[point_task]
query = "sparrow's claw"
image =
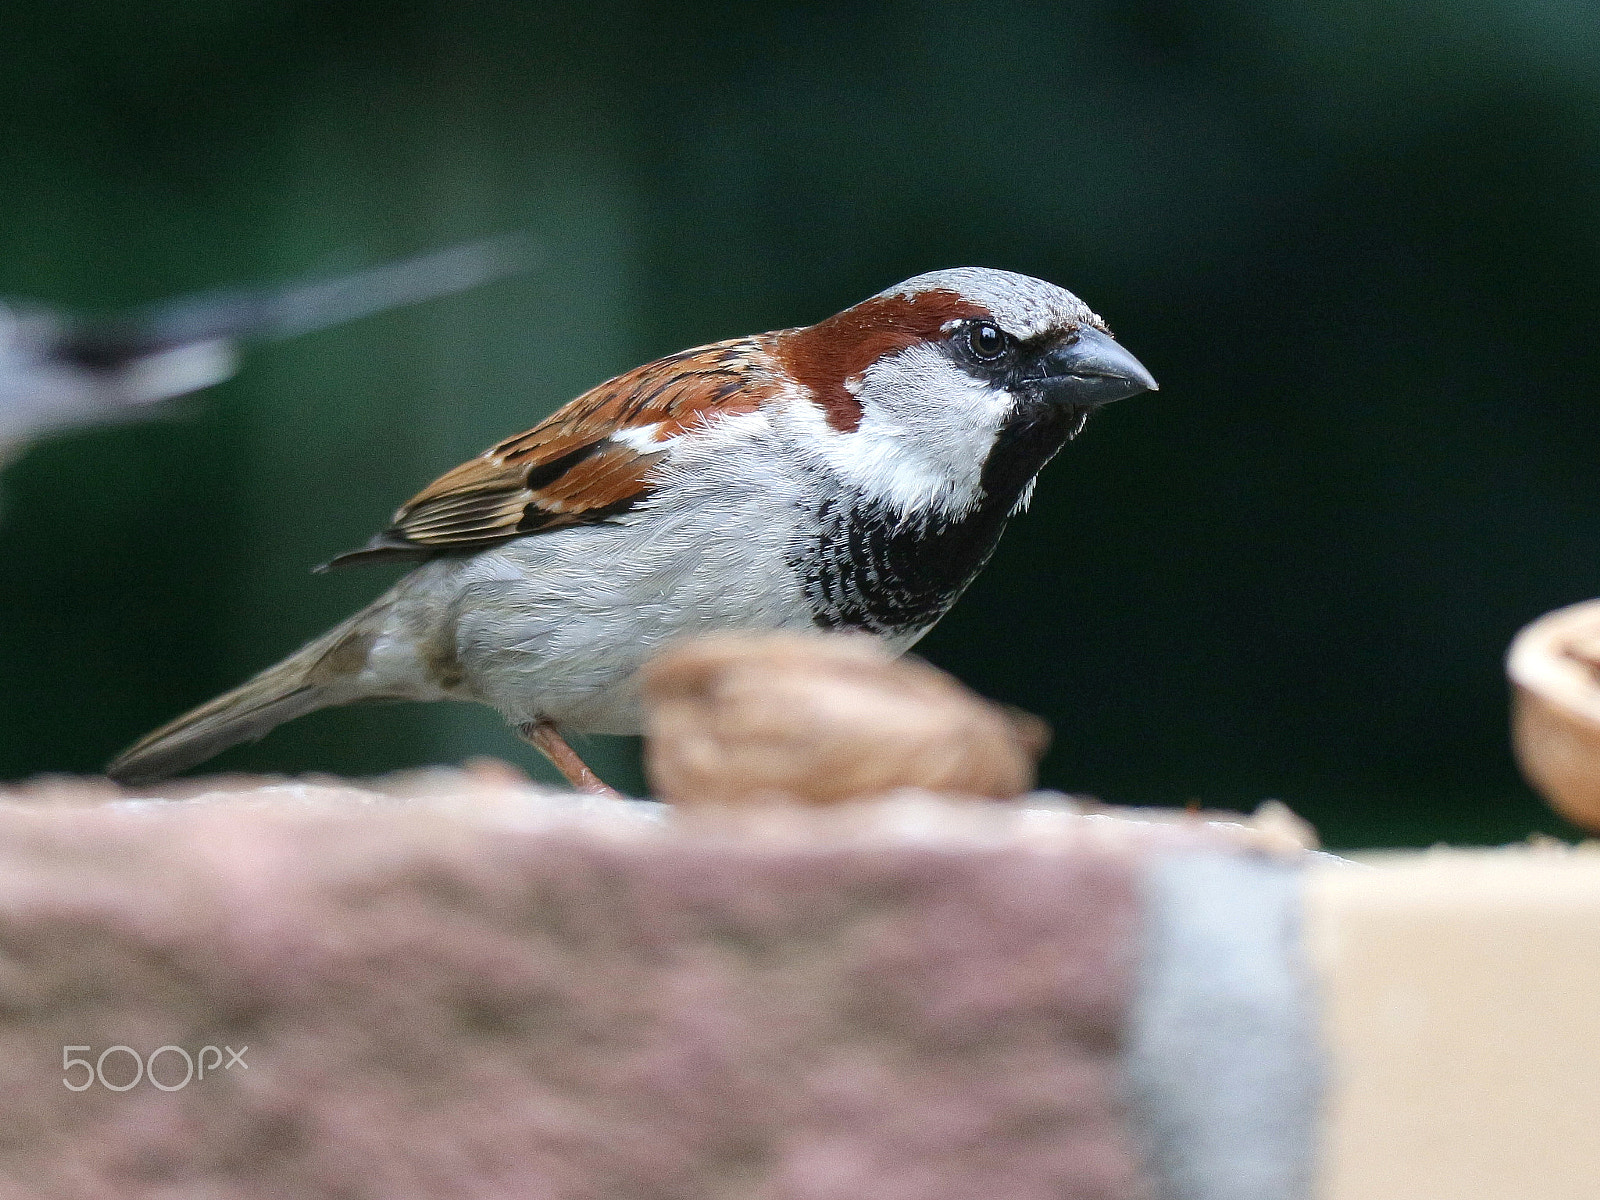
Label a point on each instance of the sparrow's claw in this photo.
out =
(543, 736)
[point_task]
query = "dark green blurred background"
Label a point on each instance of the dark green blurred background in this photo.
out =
(1358, 243)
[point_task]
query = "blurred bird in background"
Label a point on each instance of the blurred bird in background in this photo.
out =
(59, 372)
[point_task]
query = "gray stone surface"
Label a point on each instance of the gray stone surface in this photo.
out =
(1223, 1064)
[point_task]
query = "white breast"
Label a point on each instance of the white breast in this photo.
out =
(554, 625)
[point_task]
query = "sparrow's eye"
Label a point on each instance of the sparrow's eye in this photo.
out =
(986, 341)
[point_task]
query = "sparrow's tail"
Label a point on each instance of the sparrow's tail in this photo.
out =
(318, 675)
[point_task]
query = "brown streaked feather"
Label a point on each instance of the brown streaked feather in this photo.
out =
(565, 471)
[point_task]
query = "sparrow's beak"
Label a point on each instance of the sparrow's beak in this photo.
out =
(1091, 369)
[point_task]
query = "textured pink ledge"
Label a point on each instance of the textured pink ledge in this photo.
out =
(480, 990)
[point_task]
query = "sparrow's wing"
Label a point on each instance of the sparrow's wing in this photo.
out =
(588, 462)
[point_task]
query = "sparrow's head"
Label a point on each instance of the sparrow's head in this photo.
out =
(952, 388)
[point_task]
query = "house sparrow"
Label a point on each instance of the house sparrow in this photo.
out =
(853, 474)
(58, 372)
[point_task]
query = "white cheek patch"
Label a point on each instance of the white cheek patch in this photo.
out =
(926, 430)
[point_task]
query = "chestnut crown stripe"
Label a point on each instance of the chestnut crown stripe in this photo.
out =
(827, 356)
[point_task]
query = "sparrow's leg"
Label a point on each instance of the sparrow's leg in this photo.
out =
(553, 746)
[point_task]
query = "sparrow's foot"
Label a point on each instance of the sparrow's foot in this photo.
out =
(542, 734)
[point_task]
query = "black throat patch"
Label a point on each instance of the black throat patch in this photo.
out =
(868, 569)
